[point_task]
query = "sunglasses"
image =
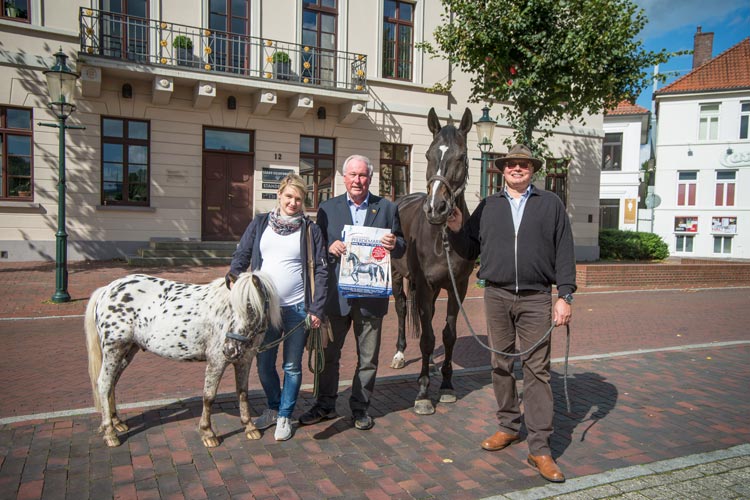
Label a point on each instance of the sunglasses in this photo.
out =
(517, 163)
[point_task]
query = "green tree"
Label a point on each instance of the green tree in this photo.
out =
(549, 60)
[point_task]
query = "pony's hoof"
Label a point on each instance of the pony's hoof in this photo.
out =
(448, 396)
(423, 407)
(111, 441)
(253, 434)
(210, 442)
(398, 361)
(120, 426)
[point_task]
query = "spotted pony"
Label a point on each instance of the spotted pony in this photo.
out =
(178, 321)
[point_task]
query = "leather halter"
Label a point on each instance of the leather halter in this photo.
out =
(453, 194)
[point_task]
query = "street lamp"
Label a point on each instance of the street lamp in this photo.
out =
(485, 130)
(61, 84)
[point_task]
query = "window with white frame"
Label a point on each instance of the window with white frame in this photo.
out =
(708, 129)
(684, 243)
(687, 183)
(744, 120)
(725, 183)
(723, 244)
(612, 152)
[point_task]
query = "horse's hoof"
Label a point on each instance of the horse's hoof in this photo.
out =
(448, 396)
(253, 434)
(398, 361)
(423, 407)
(210, 442)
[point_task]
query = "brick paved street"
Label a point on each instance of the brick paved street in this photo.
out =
(685, 392)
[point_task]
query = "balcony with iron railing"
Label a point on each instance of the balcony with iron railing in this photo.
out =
(204, 51)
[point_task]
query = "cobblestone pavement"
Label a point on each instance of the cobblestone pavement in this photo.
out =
(657, 381)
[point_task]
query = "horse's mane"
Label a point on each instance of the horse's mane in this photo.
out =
(244, 293)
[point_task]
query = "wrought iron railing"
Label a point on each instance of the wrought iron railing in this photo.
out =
(160, 43)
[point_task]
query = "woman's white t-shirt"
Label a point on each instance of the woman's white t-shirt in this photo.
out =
(283, 263)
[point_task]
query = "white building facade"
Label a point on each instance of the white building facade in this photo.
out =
(625, 130)
(193, 110)
(703, 159)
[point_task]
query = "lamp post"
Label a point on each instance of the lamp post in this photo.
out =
(485, 130)
(61, 83)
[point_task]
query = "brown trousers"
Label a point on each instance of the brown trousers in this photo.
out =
(524, 317)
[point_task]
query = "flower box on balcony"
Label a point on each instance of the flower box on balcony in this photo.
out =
(282, 65)
(183, 51)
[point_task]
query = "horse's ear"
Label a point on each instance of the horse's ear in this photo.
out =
(433, 122)
(466, 122)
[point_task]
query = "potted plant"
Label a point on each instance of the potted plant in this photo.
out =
(281, 65)
(10, 8)
(183, 50)
(24, 190)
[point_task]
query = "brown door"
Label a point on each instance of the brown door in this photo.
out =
(227, 195)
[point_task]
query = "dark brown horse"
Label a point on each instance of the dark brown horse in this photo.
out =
(424, 265)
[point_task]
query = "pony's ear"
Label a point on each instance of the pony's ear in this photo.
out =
(466, 122)
(433, 122)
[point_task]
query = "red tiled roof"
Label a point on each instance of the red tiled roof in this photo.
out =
(728, 70)
(626, 108)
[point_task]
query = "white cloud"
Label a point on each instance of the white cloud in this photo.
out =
(667, 15)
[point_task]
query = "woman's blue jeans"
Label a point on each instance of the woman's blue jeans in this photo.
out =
(284, 398)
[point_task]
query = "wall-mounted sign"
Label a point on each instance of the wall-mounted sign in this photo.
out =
(630, 209)
(275, 174)
(724, 225)
(270, 185)
(268, 196)
(686, 224)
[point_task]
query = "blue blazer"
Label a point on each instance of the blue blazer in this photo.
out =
(333, 215)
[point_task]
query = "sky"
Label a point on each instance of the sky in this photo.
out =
(672, 24)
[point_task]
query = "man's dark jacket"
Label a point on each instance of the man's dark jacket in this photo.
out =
(541, 255)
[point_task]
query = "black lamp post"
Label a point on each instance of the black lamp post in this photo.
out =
(485, 130)
(61, 83)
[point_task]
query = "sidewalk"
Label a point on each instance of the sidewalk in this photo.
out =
(659, 410)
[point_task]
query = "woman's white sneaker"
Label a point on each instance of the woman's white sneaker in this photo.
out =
(283, 429)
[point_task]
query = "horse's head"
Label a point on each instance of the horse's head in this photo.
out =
(255, 303)
(447, 166)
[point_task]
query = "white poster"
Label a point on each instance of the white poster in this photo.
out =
(365, 269)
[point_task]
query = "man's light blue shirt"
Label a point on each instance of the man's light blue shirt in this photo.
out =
(517, 205)
(359, 212)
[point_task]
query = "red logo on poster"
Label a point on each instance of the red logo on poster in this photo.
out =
(378, 253)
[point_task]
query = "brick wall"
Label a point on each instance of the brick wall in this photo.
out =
(679, 275)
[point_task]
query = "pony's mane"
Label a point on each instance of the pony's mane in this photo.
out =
(244, 293)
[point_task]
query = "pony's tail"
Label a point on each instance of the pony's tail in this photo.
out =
(382, 273)
(93, 347)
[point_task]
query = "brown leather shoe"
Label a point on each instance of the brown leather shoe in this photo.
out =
(499, 440)
(547, 467)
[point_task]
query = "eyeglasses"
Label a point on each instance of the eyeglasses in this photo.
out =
(519, 163)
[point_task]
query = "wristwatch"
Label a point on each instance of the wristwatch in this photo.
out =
(568, 298)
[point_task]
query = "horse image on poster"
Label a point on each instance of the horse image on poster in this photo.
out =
(423, 218)
(178, 321)
(371, 269)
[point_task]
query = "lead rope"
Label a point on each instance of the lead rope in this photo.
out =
(446, 246)
(315, 356)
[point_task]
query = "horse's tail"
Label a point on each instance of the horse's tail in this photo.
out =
(382, 273)
(93, 347)
(412, 310)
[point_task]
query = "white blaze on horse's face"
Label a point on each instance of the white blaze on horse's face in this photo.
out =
(443, 149)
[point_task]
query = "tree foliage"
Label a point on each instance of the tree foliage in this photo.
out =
(549, 59)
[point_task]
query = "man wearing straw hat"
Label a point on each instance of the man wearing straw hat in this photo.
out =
(525, 240)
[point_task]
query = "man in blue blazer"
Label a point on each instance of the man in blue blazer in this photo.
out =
(356, 207)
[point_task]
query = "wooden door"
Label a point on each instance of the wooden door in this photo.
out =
(227, 195)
